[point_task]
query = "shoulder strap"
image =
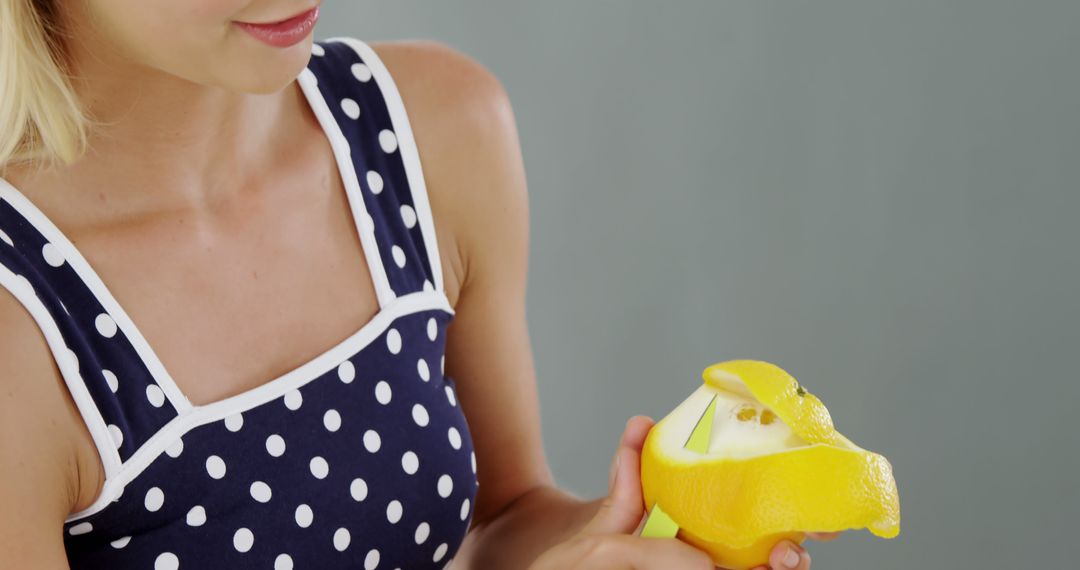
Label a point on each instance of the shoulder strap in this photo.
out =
(114, 392)
(367, 105)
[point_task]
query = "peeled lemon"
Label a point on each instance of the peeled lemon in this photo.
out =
(751, 458)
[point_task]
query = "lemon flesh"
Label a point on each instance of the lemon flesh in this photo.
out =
(751, 458)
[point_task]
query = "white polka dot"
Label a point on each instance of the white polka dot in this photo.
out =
(387, 140)
(196, 516)
(455, 438)
(6, 238)
(293, 400)
(408, 215)
(372, 441)
(243, 540)
(304, 516)
(442, 364)
(234, 422)
(346, 371)
(382, 392)
(319, 467)
(351, 108)
(358, 489)
(81, 528)
(155, 395)
(332, 420)
(374, 181)
(155, 497)
(440, 552)
(260, 491)
(111, 380)
(317, 49)
(450, 397)
(420, 415)
(428, 286)
(52, 255)
(371, 561)
(399, 255)
(215, 466)
(105, 324)
(117, 435)
(275, 445)
(394, 511)
(283, 562)
(432, 328)
(166, 561)
(465, 505)
(446, 486)
(361, 72)
(422, 532)
(341, 539)
(175, 449)
(473, 459)
(120, 542)
(410, 462)
(422, 370)
(393, 341)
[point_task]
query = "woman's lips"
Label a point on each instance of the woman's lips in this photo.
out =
(286, 32)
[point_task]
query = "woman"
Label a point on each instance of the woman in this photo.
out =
(227, 337)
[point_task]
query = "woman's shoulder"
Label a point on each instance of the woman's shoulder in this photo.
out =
(467, 139)
(43, 444)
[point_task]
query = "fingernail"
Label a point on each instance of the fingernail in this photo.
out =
(791, 559)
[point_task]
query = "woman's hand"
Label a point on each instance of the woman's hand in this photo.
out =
(609, 541)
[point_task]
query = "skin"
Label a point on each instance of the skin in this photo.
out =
(211, 170)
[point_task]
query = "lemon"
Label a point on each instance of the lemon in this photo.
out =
(751, 458)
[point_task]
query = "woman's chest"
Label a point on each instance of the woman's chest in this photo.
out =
(231, 304)
(372, 455)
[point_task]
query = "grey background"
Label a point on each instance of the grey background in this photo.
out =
(879, 196)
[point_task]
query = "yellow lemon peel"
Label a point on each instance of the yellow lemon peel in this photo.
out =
(751, 458)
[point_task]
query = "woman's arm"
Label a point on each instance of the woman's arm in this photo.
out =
(471, 157)
(38, 473)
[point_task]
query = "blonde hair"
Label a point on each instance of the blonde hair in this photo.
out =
(41, 118)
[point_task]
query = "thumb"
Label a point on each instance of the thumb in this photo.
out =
(623, 508)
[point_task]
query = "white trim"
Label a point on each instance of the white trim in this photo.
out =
(298, 377)
(93, 281)
(23, 290)
(410, 155)
(343, 157)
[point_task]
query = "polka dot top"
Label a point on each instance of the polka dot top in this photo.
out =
(358, 458)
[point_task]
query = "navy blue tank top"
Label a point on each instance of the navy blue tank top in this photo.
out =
(359, 458)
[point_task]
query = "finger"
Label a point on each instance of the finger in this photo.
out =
(633, 436)
(787, 555)
(640, 524)
(823, 536)
(637, 428)
(621, 511)
(645, 553)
